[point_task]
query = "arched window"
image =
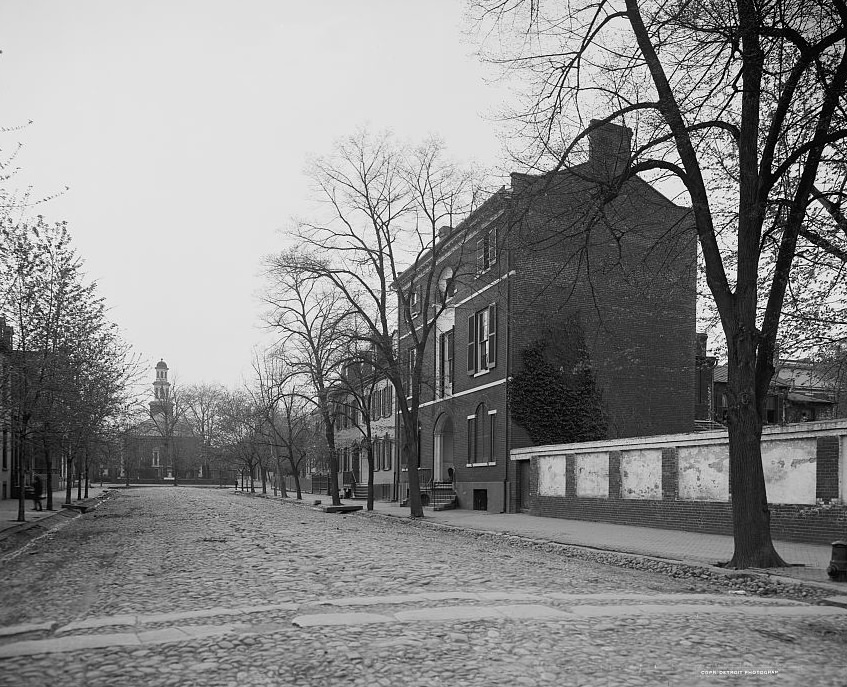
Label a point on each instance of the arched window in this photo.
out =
(479, 436)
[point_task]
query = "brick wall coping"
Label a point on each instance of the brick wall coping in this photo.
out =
(797, 430)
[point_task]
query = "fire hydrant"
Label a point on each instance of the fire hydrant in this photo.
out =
(837, 569)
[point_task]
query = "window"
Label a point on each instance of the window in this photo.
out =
(446, 284)
(770, 409)
(411, 359)
(482, 340)
(482, 426)
(414, 302)
(492, 436)
(388, 453)
(156, 458)
(445, 363)
(376, 454)
(389, 401)
(486, 250)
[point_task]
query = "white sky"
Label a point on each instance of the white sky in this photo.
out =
(182, 129)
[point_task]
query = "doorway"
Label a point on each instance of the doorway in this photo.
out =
(442, 459)
(523, 486)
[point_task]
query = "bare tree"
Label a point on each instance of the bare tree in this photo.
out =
(202, 413)
(740, 104)
(70, 370)
(311, 322)
(377, 246)
(283, 401)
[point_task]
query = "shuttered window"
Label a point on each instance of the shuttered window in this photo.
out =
(482, 340)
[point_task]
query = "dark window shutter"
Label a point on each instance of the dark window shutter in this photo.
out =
(471, 344)
(492, 335)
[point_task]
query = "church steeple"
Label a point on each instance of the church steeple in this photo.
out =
(161, 390)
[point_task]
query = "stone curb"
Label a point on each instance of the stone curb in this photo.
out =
(750, 573)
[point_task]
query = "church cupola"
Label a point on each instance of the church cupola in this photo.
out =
(161, 389)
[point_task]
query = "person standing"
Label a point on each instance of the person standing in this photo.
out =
(37, 489)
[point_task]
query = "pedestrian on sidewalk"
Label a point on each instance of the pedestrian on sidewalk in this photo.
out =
(37, 490)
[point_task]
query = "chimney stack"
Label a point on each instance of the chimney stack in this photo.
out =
(609, 148)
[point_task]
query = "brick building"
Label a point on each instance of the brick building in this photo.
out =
(351, 430)
(546, 262)
(800, 391)
(162, 447)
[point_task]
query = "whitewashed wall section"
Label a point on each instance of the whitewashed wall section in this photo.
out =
(592, 475)
(790, 470)
(704, 472)
(641, 474)
(789, 460)
(552, 475)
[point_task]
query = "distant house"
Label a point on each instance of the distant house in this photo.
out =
(365, 390)
(800, 391)
(602, 288)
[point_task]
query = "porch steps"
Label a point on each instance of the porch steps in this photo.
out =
(438, 496)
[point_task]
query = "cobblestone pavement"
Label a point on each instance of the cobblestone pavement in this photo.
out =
(180, 586)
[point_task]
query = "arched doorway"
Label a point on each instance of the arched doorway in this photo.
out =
(442, 463)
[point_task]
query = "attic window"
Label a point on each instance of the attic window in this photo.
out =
(486, 250)
(446, 284)
(414, 302)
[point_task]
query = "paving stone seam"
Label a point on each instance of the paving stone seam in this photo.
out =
(130, 619)
(515, 612)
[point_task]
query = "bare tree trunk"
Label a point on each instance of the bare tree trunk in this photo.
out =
(370, 475)
(48, 463)
(411, 450)
(333, 466)
(748, 493)
(69, 477)
(21, 488)
(85, 470)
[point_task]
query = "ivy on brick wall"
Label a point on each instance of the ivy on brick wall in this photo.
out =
(555, 396)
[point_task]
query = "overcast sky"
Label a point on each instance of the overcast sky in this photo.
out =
(182, 130)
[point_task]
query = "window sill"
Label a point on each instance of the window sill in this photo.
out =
(482, 372)
(480, 465)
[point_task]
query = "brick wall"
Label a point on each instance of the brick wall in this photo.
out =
(820, 522)
(632, 295)
(812, 524)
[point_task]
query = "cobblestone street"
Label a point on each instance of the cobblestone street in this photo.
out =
(185, 586)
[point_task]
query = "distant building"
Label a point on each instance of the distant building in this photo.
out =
(163, 446)
(377, 394)
(800, 391)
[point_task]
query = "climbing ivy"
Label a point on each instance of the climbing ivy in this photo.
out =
(555, 396)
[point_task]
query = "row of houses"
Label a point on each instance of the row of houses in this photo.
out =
(21, 458)
(545, 276)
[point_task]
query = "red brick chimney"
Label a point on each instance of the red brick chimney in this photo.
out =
(609, 148)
